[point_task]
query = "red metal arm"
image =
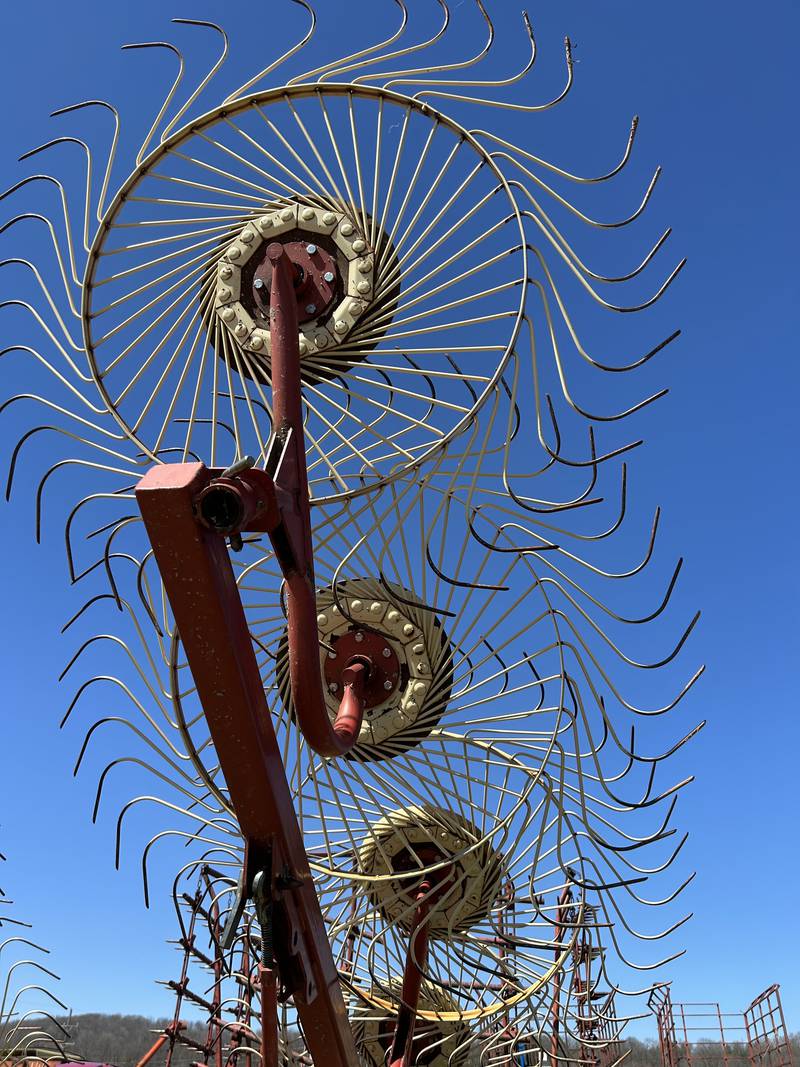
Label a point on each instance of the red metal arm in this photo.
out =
(291, 484)
(199, 581)
(400, 1053)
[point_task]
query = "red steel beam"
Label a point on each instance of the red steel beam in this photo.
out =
(201, 587)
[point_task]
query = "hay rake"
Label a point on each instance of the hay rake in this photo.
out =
(316, 360)
(28, 1030)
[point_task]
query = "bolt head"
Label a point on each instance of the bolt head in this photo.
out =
(258, 283)
(359, 636)
(347, 228)
(340, 326)
(364, 266)
(287, 214)
(264, 222)
(375, 607)
(228, 314)
(247, 236)
(363, 287)
(331, 654)
(333, 687)
(356, 605)
(322, 619)
(386, 652)
(387, 685)
(329, 218)
(226, 271)
(419, 649)
(359, 245)
(321, 341)
(408, 629)
(311, 249)
(234, 252)
(256, 342)
(422, 668)
(307, 213)
(329, 276)
(302, 347)
(241, 330)
(310, 309)
(224, 293)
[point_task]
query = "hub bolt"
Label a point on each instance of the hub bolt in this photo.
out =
(328, 275)
(387, 685)
(333, 687)
(311, 249)
(310, 309)
(359, 636)
(259, 283)
(386, 652)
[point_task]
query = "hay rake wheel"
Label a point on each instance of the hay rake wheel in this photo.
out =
(321, 309)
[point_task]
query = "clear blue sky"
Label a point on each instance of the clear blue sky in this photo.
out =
(715, 85)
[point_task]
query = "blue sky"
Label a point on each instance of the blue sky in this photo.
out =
(715, 87)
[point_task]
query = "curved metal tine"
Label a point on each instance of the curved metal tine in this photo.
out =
(461, 65)
(112, 150)
(207, 78)
(318, 73)
(64, 433)
(140, 155)
(595, 296)
(45, 291)
(189, 839)
(59, 465)
(65, 210)
(597, 223)
(580, 179)
(57, 250)
(88, 193)
(545, 223)
(409, 50)
(557, 455)
(237, 93)
(510, 105)
(510, 79)
(40, 321)
(125, 493)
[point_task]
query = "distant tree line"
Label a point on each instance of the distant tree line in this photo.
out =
(124, 1039)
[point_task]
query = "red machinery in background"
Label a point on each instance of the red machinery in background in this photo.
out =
(692, 1033)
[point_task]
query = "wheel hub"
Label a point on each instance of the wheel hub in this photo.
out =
(334, 277)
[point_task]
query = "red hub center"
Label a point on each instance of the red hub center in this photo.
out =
(315, 283)
(373, 648)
